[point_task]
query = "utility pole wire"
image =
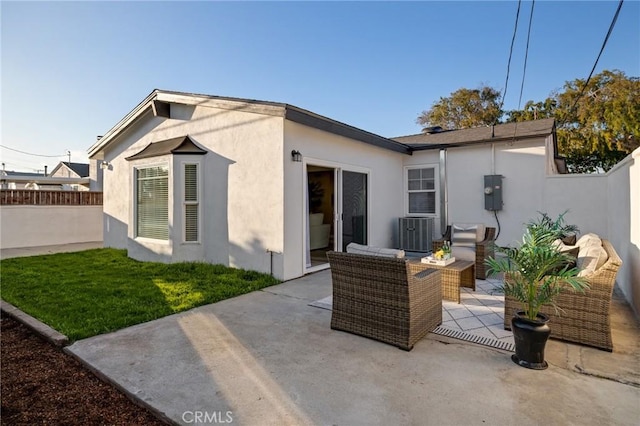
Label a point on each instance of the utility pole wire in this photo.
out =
(604, 43)
(513, 39)
(524, 68)
(28, 153)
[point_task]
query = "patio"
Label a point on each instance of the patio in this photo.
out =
(269, 358)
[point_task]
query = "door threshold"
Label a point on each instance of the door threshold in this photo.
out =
(316, 268)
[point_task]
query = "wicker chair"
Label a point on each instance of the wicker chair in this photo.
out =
(585, 317)
(387, 299)
(484, 249)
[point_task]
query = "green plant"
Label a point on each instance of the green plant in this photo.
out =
(537, 271)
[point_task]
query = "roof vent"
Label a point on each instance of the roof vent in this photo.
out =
(432, 130)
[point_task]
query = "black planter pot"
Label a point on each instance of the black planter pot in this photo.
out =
(530, 339)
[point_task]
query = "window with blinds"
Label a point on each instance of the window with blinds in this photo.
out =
(152, 202)
(421, 187)
(191, 203)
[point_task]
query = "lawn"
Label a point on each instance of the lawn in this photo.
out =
(97, 291)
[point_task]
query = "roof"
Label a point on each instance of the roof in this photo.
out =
(11, 173)
(81, 169)
(181, 145)
(158, 102)
(499, 132)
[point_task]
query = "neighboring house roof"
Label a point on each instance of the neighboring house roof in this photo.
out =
(11, 173)
(159, 102)
(181, 145)
(80, 169)
(499, 132)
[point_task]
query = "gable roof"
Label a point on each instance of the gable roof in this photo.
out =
(180, 145)
(81, 169)
(159, 103)
(499, 132)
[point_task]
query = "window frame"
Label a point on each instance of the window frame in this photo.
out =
(185, 202)
(136, 233)
(435, 190)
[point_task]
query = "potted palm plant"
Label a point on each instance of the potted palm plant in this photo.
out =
(534, 274)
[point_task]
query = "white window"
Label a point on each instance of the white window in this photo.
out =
(152, 202)
(191, 203)
(421, 191)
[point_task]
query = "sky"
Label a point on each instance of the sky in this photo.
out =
(71, 70)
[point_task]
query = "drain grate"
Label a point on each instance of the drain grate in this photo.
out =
(480, 340)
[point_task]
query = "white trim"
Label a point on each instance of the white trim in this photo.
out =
(436, 190)
(337, 168)
(134, 200)
(183, 165)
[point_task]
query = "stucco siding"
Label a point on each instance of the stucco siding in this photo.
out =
(241, 205)
(523, 169)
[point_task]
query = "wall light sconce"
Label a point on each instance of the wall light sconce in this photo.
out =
(105, 165)
(296, 156)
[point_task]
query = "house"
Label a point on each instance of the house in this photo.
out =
(247, 183)
(66, 169)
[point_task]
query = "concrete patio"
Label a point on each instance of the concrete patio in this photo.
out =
(268, 358)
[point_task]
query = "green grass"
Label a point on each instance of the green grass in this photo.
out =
(97, 291)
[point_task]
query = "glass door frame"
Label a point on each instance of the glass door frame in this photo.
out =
(338, 168)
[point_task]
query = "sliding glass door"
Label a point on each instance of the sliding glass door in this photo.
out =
(354, 208)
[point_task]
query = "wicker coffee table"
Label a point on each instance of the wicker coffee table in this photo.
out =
(461, 273)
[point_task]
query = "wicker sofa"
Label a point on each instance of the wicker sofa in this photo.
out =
(387, 299)
(585, 317)
(483, 249)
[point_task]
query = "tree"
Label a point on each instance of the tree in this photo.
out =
(464, 108)
(596, 129)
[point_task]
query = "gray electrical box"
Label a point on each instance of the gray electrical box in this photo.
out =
(493, 192)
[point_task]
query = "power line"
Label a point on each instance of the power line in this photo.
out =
(524, 68)
(604, 43)
(526, 54)
(513, 39)
(28, 153)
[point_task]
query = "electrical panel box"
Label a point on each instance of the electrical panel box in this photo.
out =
(493, 192)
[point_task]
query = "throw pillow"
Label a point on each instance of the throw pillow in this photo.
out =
(464, 236)
(587, 238)
(590, 258)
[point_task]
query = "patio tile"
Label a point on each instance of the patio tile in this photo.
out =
(490, 319)
(493, 302)
(480, 310)
(470, 323)
(499, 331)
(462, 312)
(446, 316)
(451, 325)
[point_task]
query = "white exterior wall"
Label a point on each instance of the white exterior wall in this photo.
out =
(316, 146)
(623, 222)
(585, 198)
(33, 226)
(242, 203)
(522, 167)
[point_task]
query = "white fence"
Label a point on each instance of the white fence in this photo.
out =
(32, 226)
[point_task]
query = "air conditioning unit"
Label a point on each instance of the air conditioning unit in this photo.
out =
(415, 233)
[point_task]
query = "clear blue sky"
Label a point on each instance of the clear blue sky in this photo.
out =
(71, 70)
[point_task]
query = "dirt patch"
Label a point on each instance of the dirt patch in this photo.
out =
(43, 385)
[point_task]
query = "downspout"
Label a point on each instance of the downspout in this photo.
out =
(444, 199)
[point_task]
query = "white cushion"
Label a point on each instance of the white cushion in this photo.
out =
(463, 253)
(374, 251)
(587, 238)
(591, 257)
(464, 235)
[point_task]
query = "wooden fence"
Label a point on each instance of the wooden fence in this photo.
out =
(31, 197)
